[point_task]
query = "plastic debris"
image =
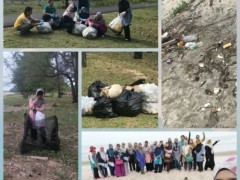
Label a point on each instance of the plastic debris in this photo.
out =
(227, 45)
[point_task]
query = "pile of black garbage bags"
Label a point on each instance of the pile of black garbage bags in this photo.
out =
(128, 103)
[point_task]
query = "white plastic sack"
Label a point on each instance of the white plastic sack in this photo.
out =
(116, 24)
(87, 105)
(78, 29)
(150, 108)
(39, 119)
(44, 28)
(89, 33)
(150, 92)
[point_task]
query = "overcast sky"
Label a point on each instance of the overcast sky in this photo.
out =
(7, 74)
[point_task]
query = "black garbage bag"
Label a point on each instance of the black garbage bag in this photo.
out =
(103, 108)
(140, 81)
(44, 137)
(129, 103)
(95, 88)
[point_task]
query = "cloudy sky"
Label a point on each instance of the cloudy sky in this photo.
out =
(7, 74)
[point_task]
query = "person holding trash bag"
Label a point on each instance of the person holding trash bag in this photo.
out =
(68, 16)
(98, 23)
(49, 14)
(25, 22)
(126, 13)
(36, 107)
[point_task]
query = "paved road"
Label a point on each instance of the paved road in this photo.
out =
(10, 19)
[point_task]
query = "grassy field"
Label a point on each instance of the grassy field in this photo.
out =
(119, 68)
(17, 6)
(144, 32)
(68, 132)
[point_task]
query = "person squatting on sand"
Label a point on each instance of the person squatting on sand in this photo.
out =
(187, 153)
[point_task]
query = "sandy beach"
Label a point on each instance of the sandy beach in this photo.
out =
(172, 175)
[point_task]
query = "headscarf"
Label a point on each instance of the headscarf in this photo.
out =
(186, 148)
(229, 164)
(210, 145)
(69, 11)
(110, 150)
(103, 155)
(99, 18)
(92, 148)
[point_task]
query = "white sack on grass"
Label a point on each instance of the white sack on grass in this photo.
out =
(44, 28)
(150, 92)
(89, 33)
(87, 105)
(78, 29)
(150, 108)
(116, 24)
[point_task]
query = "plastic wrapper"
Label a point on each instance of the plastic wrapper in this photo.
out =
(87, 105)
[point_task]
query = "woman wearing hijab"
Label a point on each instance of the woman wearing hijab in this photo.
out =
(110, 153)
(125, 157)
(102, 159)
(158, 154)
(168, 156)
(93, 162)
(140, 157)
(192, 146)
(119, 164)
(148, 159)
(83, 15)
(177, 151)
(98, 23)
(131, 153)
(187, 156)
(36, 105)
(68, 16)
(126, 13)
(138, 169)
(226, 170)
(210, 163)
(200, 152)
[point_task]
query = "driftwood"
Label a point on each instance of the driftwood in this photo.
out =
(169, 43)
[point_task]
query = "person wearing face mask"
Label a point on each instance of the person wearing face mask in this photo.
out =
(131, 152)
(227, 170)
(110, 153)
(102, 159)
(177, 151)
(168, 156)
(158, 154)
(210, 163)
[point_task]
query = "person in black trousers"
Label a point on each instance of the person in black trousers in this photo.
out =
(126, 13)
(132, 158)
(210, 163)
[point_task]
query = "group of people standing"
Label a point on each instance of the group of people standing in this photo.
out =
(186, 153)
(81, 14)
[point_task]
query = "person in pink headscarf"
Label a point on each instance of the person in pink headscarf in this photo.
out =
(226, 170)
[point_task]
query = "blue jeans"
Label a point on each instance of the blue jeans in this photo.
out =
(177, 164)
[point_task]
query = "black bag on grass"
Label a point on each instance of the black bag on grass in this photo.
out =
(138, 82)
(129, 103)
(44, 137)
(95, 88)
(103, 108)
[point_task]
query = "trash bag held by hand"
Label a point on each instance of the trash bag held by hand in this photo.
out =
(44, 28)
(95, 88)
(87, 105)
(116, 25)
(129, 103)
(103, 108)
(89, 33)
(78, 29)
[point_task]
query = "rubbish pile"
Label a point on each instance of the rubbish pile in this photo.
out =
(199, 61)
(105, 101)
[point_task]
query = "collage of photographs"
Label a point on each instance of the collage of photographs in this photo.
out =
(119, 89)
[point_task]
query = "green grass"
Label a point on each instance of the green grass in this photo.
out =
(181, 6)
(68, 125)
(144, 32)
(17, 7)
(119, 68)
